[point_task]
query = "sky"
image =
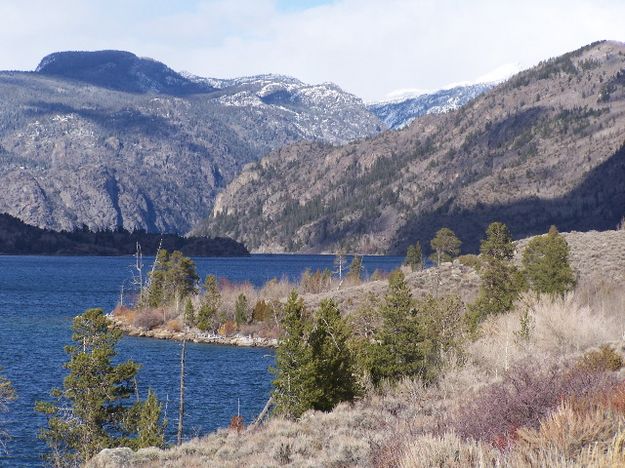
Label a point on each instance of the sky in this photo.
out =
(375, 49)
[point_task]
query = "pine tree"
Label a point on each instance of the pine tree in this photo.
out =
(332, 359)
(501, 281)
(294, 385)
(397, 351)
(92, 411)
(414, 257)
(446, 246)
(181, 276)
(150, 426)
(498, 243)
(207, 315)
(241, 310)
(355, 269)
(189, 313)
(155, 291)
(546, 264)
(173, 278)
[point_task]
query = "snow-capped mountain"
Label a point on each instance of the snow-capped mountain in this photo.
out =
(400, 112)
(317, 112)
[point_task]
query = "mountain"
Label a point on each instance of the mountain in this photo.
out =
(107, 139)
(121, 71)
(545, 147)
(398, 113)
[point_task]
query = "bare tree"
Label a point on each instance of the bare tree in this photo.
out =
(138, 279)
(183, 352)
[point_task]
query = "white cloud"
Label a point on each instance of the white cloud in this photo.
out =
(369, 47)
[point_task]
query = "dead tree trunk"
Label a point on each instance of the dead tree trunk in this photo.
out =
(183, 352)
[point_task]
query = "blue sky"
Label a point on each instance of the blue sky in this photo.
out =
(299, 5)
(372, 48)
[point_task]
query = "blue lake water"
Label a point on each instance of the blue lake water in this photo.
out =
(39, 296)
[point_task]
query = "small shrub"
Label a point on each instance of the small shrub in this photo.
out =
(470, 260)
(228, 328)
(567, 434)
(525, 396)
(262, 311)
(148, 319)
(283, 453)
(237, 424)
(125, 314)
(174, 325)
(603, 359)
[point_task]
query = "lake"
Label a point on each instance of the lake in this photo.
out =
(39, 296)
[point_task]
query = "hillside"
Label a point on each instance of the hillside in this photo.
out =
(107, 139)
(17, 238)
(502, 382)
(398, 113)
(545, 147)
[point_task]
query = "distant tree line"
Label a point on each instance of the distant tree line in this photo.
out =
(18, 238)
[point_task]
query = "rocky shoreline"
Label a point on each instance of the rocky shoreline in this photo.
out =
(246, 341)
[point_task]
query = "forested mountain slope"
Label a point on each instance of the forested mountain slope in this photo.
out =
(108, 139)
(545, 147)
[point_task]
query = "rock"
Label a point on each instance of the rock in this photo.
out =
(112, 458)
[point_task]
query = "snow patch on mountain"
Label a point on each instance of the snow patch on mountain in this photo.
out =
(401, 110)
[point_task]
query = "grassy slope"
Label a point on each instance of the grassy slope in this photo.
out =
(410, 425)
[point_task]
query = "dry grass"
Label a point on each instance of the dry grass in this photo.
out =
(559, 328)
(409, 425)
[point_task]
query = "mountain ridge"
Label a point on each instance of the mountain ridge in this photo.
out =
(149, 154)
(543, 147)
(397, 113)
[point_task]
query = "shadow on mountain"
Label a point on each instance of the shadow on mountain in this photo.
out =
(597, 203)
(120, 71)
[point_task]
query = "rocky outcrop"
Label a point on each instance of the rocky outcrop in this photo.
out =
(195, 336)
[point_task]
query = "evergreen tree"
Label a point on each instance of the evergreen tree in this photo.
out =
(501, 281)
(446, 246)
(150, 426)
(172, 279)
(332, 359)
(189, 313)
(155, 291)
(294, 383)
(92, 412)
(414, 257)
(546, 264)
(355, 269)
(207, 315)
(181, 276)
(442, 325)
(498, 243)
(398, 349)
(241, 310)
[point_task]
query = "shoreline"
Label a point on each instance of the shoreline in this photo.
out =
(242, 341)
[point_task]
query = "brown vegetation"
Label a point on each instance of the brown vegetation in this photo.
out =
(508, 400)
